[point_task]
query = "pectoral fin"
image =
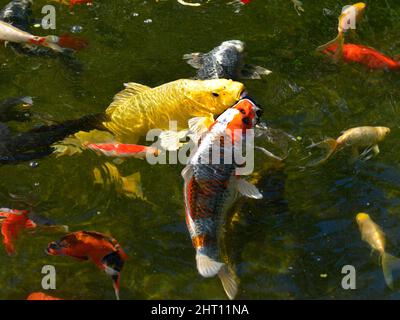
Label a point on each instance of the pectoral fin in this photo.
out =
(254, 72)
(199, 125)
(170, 140)
(375, 149)
(194, 59)
(248, 190)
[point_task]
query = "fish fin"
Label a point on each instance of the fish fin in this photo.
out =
(254, 72)
(71, 42)
(329, 145)
(206, 266)
(132, 186)
(194, 59)
(228, 282)
(187, 173)
(248, 190)
(199, 125)
(131, 89)
(389, 265)
(268, 153)
(375, 149)
(52, 43)
(170, 140)
(339, 41)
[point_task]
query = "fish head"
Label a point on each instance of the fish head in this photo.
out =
(362, 217)
(238, 45)
(112, 264)
(67, 246)
(383, 132)
(216, 95)
(245, 115)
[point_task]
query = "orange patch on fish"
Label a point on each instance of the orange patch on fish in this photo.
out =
(41, 296)
(12, 223)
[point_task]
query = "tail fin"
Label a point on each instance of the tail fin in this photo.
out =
(52, 43)
(329, 145)
(336, 45)
(206, 266)
(71, 42)
(228, 282)
(37, 143)
(389, 264)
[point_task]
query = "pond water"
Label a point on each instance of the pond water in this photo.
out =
(290, 245)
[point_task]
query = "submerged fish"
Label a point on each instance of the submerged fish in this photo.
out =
(15, 108)
(375, 237)
(224, 62)
(41, 296)
(13, 222)
(348, 18)
(130, 186)
(104, 251)
(210, 189)
(364, 55)
(354, 138)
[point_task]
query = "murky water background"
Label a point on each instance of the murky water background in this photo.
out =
(293, 243)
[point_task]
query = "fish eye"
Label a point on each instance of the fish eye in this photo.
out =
(215, 94)
(242, 111)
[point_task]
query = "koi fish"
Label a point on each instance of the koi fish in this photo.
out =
(224, 62)
(375, 237)
(355, 138)
(105, 252)
(138, 109)
(13, 222)
(41, 296)
(210, 189)
(350, 15)
(364, 55)
(15, 20)
(123, 150)
(15, 108)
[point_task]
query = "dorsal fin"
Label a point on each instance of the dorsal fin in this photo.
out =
(130, 90)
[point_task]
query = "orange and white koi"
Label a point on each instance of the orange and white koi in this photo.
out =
(210, 189)
(10, 33)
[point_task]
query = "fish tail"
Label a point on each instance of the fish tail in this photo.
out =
(330, 145)
(206, 266)
(71, 42)
(52, 43)
(389, 265)
(228, 282)
(333, 46)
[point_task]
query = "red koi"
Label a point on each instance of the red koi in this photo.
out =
(364, 55)
(105, 252)
(12, 223)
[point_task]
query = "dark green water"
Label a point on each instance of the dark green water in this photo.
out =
(305, 225)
